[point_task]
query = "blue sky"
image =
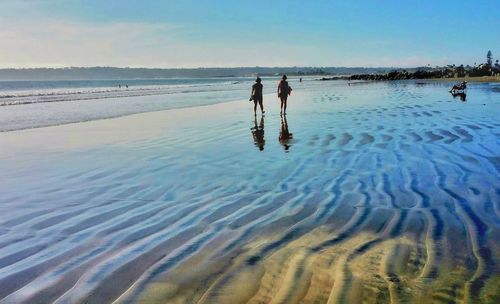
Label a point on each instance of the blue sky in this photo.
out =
(190, 33)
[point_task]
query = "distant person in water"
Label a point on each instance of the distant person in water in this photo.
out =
(257, 95)
(283, 91)
(459, 87)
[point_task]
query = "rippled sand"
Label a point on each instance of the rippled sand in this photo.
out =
(369, 193)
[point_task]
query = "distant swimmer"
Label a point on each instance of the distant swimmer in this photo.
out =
(257, 95)
(300, 79)
(119, 86)
(283, 91)
(126, 86)
(459, 87)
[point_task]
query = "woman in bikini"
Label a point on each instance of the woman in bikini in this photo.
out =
(283, 91)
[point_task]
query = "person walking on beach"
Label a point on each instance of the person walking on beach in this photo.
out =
(283, 91)
(257, 95)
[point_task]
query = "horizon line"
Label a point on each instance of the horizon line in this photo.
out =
(223, 67)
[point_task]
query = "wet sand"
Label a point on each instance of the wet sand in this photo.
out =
(369, 193)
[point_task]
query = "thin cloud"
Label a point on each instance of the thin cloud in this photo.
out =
(42, 42)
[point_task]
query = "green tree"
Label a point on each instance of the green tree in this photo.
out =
(489, 58)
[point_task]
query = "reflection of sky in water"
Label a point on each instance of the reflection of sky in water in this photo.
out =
(388, 191)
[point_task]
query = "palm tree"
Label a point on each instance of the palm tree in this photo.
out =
(489, 60)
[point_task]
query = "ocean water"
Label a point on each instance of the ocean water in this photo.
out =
(31, 104)
(379, 192)
(23, 92)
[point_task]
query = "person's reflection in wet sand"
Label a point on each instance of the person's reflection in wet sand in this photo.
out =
(258, 133)
(285, 136)
(462, 95)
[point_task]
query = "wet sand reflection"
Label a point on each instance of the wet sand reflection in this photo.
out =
(258, 133)
(285, 138)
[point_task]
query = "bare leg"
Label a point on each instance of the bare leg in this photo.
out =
(255, 107)
(261, 106)
(284, 101)
(281, 108)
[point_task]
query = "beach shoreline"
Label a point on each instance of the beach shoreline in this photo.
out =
(492, 79)
(479, 79)
(56, 108)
